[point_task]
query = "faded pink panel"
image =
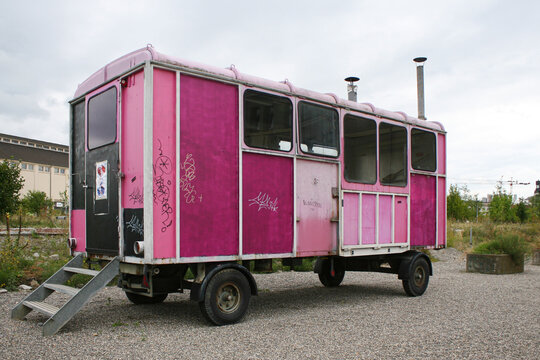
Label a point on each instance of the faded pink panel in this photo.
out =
(350, 219)
(423, 210)
(369, 202)
(400, 222)
(316, 208)
(78, 229)
(209, 168)
(385, 219)
(132, 139)
(267, 188)
(164, 160)
(442, 211)
(441, 154)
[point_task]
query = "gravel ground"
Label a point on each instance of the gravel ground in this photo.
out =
(461, 315)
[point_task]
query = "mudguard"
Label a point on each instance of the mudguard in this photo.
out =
(198, 290)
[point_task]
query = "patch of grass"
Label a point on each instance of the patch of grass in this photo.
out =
(513, 245)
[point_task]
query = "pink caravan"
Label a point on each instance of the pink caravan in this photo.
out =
(183, 168)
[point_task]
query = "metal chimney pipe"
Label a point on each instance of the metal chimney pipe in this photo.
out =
(351, 88)
(420, 86)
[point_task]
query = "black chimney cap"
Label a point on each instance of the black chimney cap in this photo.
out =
(420, 59)
(352, 79)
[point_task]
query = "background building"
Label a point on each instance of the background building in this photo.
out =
(44, 165)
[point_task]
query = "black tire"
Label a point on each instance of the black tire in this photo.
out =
(416, 282)
(328, 278)
(139, 299)
(226, 297)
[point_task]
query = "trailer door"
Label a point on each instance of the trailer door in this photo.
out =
(102, 172)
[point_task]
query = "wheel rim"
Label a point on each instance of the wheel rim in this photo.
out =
(419, 276)
(228, 297)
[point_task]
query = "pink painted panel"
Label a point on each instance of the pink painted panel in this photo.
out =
(316, 207)
(441, 154)
(442, 212)
(267, 204)
(164, 160)
(78, 229)
(400, 222)
(132, 139)
(369, 202)
(209, 168)
(423, 210)
(385, 219)
(350, 219)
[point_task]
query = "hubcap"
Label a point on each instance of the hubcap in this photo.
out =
(228, 297)
(419, 276)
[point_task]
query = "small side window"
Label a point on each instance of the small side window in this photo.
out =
(102, 119)
(267, 121)
(423, 153)
(392, 155)
(360, 149)
(319, 129)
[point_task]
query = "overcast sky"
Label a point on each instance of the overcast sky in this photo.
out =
(481, 77)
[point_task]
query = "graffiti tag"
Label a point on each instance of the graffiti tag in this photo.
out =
(136, 197)
(263, 201)
(135, 225)
(162, 192)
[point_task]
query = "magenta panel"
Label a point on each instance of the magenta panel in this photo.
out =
(132, 139)
(208, 179)
(78, 229)
(267, 189)
(369, 202)
(423, 210)
(385, 219)
(316, 208)
(442, 211)
(441, 154)
(400, 222)
(350, 219)
(164, 160)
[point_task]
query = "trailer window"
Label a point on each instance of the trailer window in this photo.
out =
(267, 121)
(360, 149)
(392, 155)
(423, 150)
(102, 119)
(319, 129)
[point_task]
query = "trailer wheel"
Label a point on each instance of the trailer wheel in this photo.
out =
(416, 282)
(331, 278)
(226, 297)
(139, 299)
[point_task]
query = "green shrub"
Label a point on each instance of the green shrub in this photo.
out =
(12, 263)
(513, 245)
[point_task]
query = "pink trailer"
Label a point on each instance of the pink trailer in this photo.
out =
(180, 167)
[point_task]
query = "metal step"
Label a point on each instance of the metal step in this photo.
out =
(63, 289)
(42, 307)
(81, 271)
(58, 317)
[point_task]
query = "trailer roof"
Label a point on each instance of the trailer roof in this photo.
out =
(137, 57)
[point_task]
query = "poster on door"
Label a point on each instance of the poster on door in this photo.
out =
(101, 180)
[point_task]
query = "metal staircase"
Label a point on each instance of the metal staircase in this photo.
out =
(58, 317)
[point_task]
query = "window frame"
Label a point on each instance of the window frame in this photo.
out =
(88, 118)
(435, 155)
(299, 127)
(272, 95)
(376, 166)
(406, 157)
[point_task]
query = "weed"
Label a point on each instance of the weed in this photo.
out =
(118, 323)
(513, 245)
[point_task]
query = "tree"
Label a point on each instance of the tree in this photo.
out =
(500, 208)
(535, 206)
(36, 201)
(522, 211)
(460, 205)
(11, 184)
